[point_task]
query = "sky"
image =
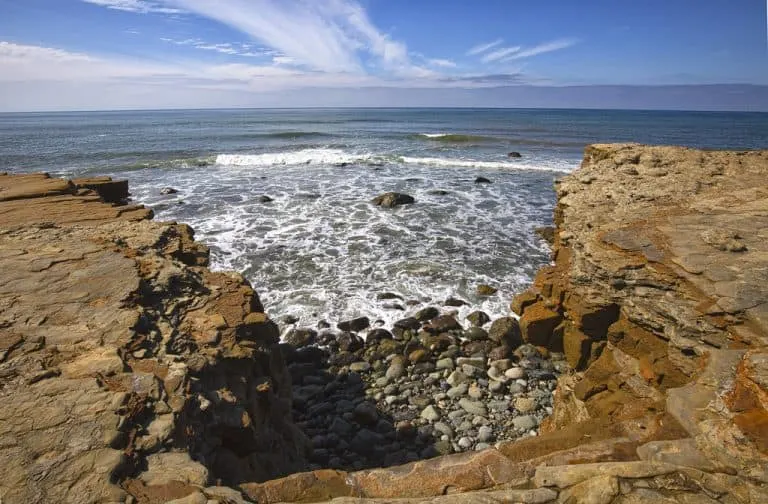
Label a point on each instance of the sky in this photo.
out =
(114, 54)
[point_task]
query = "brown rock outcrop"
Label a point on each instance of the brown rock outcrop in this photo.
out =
(127, 367)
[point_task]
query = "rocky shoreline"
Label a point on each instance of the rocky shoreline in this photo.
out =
(132, 373)
(428, 388)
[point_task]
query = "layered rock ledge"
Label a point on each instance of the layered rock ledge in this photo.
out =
(128, 370)
(131, 373)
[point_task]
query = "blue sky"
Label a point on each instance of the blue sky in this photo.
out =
(177, 53)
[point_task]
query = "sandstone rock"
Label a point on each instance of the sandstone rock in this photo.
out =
(537, 325)
(111, 191)
(598, 490)
(163, 468)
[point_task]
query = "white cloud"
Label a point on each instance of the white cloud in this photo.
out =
(19, 53)
(326, 35)
(223, 48)
(283, 60)
(478, 49)
(555, 45)
(137, 6)
(445, 63)
(499, 53)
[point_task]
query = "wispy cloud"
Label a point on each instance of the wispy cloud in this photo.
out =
(499, 53)
(328, 35)
(22, 53)
(444, 63)
(478, 49)
(137, 6)
(232, 49)
(555, 45)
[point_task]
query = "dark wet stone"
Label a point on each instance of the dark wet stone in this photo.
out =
(455, 302)
(355, 325)
(482, 180)
(301, 337)
(392, 199)
(349, 342)
(506, 330)
(478, 318)
(388, 295)
(426, 314)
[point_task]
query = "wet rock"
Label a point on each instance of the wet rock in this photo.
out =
(168, 190)
(455, 302)
(478, 318)
(514, 154)
(392, 199)
(376, 336)
(301, 337)
(264, 199)
(426, 314)
(349, 342)
(384, 296)
(506, 330)
(441, 324)
(546, 233)
(486, 290)
(354, 325)
(482, 180)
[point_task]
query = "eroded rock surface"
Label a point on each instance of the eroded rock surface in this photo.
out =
(127, 369)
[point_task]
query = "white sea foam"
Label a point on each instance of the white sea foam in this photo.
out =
(300, 157)
(338, 156)
(434, 135)
(491, 165)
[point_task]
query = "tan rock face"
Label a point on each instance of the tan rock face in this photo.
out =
(122, 358)
(660, 260)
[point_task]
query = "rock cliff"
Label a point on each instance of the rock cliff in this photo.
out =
(127, 369)
(130, 372)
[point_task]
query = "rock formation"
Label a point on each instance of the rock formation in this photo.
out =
(129, 372)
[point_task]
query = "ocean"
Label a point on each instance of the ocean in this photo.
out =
(319, 250)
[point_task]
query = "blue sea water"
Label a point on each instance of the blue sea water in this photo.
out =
(320, 250)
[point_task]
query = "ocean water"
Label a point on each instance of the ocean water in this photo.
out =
(319, 249)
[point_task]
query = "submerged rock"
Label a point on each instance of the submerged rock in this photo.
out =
(514, 154)
(482, 180)
(486, 290)
(393, 199)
